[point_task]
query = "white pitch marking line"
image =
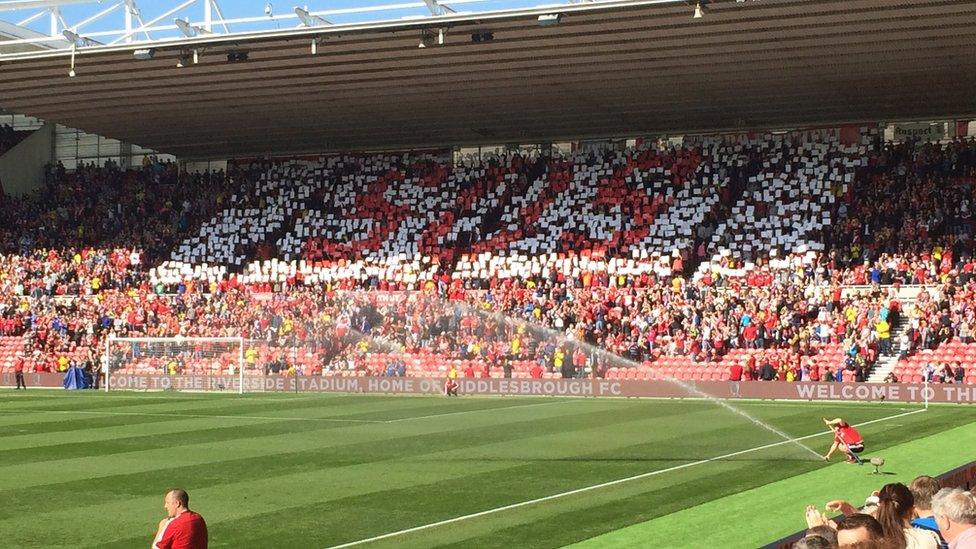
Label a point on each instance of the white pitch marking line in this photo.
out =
(149, 414)
(598, 486)
(561, 401)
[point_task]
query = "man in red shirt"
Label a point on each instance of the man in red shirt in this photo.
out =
(846, 438)
(19, 371)
(186, 529)
(735, 372)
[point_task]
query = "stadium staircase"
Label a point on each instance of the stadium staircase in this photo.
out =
(887, 364)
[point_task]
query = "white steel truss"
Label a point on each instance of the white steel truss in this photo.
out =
(48, 29)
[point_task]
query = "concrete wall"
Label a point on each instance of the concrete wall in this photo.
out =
(22, 168)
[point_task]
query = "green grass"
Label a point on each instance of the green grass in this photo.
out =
(283, 470)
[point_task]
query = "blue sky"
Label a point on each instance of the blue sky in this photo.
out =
(150, 9)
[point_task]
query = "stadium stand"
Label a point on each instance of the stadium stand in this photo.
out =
(771, 252)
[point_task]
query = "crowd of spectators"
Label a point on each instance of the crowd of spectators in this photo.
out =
(921, 515)
(92, 254)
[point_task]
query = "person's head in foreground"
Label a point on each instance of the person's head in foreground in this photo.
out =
(825, 532)
(176, 502)
(858, 529)
(813, 542)
(895, 506)
(955, 513)
(923, 490)
(184, 529)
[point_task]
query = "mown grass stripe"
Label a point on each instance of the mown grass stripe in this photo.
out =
(29, 440)
(69, 403)
(187, 435)
(255, 455)
(66, 423)
(26, 437)
(908, 452)
(297, 469)
(297, 485)
(200, 453)
(525, 476)
(176, 402)
(610, 486)
(178, 424)
(297, 491)
(352, 411)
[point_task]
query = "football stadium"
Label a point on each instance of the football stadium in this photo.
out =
(488, 273)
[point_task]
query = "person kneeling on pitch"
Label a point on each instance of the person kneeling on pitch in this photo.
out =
(846, 438)
(451, 387)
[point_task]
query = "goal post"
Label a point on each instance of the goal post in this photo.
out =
(174, 363)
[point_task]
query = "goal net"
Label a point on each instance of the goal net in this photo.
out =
(176, 363)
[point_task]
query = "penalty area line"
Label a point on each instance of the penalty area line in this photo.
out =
(601, 485)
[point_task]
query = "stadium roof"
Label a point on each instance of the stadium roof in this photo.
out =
(616, 68)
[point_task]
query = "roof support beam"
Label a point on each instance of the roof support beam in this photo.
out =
(32, 18)
(149, 25)
(41, 40)
(17, 5)
(97, 16)
(438, 9)
(220, 15)
(211, 16)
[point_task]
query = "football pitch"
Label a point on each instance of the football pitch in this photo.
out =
(318, 471)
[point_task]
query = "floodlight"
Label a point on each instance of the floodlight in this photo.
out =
(189, 30)
(550, 19)
(309, 20)
(133, 9)
(144, 54)
(77, 39)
